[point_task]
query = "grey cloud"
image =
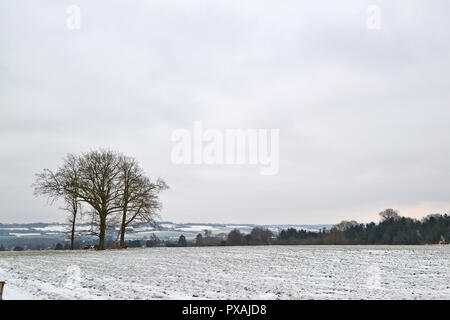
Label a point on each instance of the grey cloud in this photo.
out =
(363, 115)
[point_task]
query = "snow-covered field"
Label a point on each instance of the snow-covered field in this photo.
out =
(265, 272)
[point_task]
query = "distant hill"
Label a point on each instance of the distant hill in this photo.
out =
(166, 230)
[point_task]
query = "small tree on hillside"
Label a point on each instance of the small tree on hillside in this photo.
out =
(235, 238)
(182, 241)
(153, 241)
(207, 233)
(199, 240)
(260, 235)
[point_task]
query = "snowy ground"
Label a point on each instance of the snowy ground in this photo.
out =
(265, 272)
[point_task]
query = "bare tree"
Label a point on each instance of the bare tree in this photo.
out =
(345, 225)
(199, 240)
(153, 241)
(55, 185)
(73, 206)
(235, 238)
(139, 200)
(99, 185)
(260, 235)
(207, 233)
(72, 203)
(389, 214)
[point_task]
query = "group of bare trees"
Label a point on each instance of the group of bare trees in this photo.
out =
(112, 188)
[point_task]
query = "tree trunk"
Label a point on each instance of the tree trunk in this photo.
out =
(101, 236)
(74, 218)
(122, 229)
(72, 234)
(122, 236)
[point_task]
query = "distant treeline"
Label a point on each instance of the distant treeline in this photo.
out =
(392, 230)
(42, 243)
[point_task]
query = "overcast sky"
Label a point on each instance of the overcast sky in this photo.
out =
(363, 114)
